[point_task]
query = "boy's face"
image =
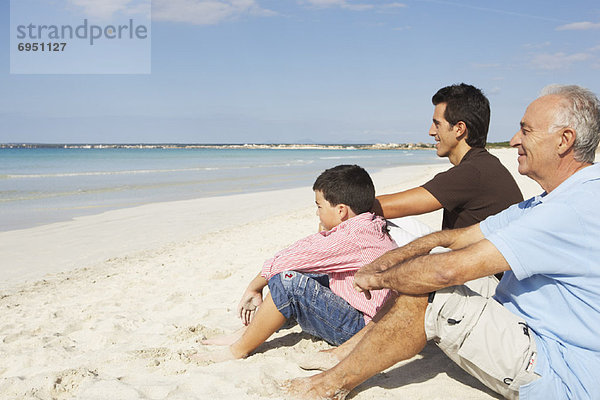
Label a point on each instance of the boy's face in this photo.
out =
(328, 214)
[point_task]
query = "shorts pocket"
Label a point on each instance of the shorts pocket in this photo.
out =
(498, 344)
(448, 317)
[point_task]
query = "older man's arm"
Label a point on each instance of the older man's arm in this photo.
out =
(452, 239)
(425, 274)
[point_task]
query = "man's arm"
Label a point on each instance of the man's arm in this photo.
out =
(414, 201)
(452, 238)
(428, 273)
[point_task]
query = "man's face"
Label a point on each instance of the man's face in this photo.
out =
(535, 144)
(442, 132)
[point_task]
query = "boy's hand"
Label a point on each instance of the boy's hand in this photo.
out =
(251, 300)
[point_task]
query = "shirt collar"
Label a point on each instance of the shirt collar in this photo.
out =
(357, 221)
(473, 151)
(589, 173)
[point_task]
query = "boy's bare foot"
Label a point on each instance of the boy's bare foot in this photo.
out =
(312, 389)
(225, 339)
(210, 357)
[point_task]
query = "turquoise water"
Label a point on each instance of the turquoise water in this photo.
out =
(41, 185)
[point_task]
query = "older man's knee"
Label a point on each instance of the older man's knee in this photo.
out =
(408, 309)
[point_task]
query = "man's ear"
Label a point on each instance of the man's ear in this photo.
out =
(567, 140)
(461, 129)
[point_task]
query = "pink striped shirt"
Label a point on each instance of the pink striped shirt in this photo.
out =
(339, 253)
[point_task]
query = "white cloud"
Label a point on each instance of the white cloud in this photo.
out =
(326, 3)
(492, 10)
(339, 3)
(345, 4)
(558, 61)
(579, 26)
(105, 9)
(536, 45)
(205, 12)
(358, 7)
(485, 66)
(394, 5)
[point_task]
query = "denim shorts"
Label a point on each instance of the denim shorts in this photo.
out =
(307, 299)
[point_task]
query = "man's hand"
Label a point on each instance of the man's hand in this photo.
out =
(366, 280)
(368, 276)
(383, 262)
(250, 301)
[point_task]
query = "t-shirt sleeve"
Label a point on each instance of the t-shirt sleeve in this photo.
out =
(498, 221)
(455, 187)
(548, 239)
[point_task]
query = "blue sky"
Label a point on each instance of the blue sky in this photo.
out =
(325, 71)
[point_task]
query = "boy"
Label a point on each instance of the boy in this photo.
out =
(325, 305)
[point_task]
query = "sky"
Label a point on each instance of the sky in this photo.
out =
(303, 71)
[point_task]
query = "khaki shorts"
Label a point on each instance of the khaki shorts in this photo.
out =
(482, 337)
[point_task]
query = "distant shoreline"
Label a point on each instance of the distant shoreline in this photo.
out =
(275, 146)
(292, 146)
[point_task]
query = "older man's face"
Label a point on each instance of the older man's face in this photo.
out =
(537, 146)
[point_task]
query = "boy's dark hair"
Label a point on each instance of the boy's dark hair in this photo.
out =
(468, 104)
(347, 184)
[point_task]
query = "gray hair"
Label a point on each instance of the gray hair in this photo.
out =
(580, 110)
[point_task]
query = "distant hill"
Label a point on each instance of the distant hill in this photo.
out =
(498, 145)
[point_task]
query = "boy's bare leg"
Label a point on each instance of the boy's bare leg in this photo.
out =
(399, 335)
(266, 321)
(326, 359)
(225, 339)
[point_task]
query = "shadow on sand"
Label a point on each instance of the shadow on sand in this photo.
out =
(432, 363)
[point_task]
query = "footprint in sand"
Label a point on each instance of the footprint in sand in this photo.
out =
(68, 381)
(220, 275)
(196, 333)
(266, 386)
(160, 355)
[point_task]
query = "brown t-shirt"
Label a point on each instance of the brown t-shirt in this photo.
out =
(473, 190)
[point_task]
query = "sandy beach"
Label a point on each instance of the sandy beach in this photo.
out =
(110, 306)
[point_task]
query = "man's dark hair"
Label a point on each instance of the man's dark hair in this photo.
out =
(347, 184)
(468, 104)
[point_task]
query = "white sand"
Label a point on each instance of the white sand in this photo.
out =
(108, 306)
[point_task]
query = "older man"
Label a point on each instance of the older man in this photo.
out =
(538, 336)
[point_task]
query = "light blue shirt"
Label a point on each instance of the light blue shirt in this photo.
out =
(552, 244)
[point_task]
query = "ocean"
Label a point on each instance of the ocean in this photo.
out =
(44, 185)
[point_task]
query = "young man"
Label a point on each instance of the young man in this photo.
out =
(324, 305)
(546, 311)
(478, 185)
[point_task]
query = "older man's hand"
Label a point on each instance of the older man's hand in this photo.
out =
(366, 280)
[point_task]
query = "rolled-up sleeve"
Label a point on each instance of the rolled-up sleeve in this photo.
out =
(316, 253)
